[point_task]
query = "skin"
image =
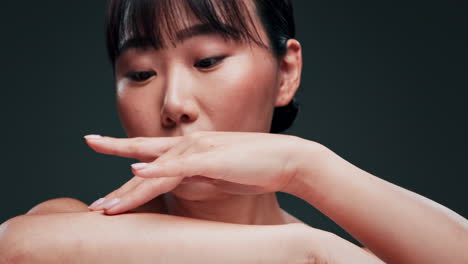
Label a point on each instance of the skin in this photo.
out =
(171, 119)
(237, 93)
(93, 237)
(181, 101)
(398, 225)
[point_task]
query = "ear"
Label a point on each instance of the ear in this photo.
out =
(290, 73)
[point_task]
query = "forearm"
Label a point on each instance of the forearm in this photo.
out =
(396, 224)
(146, 238)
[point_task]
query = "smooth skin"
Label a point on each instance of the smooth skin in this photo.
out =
(174, 118)
(248, 228)
(64, 231)
(398, 225)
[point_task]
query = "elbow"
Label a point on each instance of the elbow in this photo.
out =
(306, 244)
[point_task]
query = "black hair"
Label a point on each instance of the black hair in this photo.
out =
(153, 23)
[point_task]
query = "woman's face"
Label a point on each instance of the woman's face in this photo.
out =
(204, 83)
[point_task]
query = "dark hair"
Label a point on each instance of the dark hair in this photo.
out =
(143, 23)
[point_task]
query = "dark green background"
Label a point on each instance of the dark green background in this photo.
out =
(384, 86)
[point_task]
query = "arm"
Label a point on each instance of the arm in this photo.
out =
(396, 224)
(154, 238)
(140, 238)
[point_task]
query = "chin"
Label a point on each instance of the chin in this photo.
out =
(199, 191)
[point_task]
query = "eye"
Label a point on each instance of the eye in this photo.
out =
(140, 76)
(209, 62)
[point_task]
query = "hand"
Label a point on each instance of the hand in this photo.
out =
(236, 162)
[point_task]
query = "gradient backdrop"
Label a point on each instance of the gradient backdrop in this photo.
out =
(384, 86)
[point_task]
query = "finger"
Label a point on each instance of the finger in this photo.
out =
(128, 186)
(141, 148)
(182, 166)
(143, 193)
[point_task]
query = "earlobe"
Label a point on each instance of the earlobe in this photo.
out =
(290, 73)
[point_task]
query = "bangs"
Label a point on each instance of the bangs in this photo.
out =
(160, 23)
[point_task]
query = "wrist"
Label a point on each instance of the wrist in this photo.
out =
(309, 160)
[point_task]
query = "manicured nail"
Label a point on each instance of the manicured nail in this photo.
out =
(111, 203)
(96, 203)
(92, 136)
(139, 166)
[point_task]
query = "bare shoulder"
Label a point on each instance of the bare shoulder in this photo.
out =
(93, 237)
(36, 237)
(71, 205)
(59, 205)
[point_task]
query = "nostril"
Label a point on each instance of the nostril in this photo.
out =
(184, 118)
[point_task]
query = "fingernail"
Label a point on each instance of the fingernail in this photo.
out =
(92, 136)
(139, 166)
(111, 203)
(96, 203)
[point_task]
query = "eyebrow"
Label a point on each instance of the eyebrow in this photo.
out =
(181, 36)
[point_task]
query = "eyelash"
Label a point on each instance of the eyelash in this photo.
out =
(213, 61)
(140, 76)
(145, 75)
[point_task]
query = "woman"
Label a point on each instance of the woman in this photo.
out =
(186, 73)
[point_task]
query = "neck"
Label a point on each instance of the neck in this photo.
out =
(260, 209)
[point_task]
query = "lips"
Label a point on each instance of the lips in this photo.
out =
(197, 178)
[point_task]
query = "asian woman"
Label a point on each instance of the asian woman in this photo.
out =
(204, 89)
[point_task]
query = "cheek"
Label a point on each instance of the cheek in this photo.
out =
(138, 112)
(243, 97)
(239, 96)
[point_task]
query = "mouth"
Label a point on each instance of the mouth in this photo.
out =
(197, 179)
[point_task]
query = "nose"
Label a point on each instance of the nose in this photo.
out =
(179, 104)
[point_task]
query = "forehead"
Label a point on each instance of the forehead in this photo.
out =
(161, 23)
(180, 36)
